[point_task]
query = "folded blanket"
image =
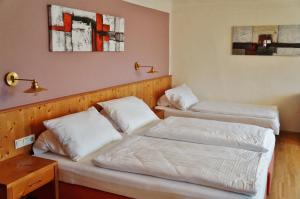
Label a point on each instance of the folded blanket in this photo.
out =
(229, 108)
(212, 132)
(219, 167)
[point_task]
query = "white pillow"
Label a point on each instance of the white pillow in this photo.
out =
(47, 142)
(129, 113)
(82, 133)
(163, 101)
(181, 97)
(111, 120)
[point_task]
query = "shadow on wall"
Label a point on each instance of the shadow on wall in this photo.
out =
(289, 109)
(6, 93)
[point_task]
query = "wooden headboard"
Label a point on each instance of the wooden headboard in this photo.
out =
(21, 121)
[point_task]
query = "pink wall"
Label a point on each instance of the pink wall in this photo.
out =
(24, 49)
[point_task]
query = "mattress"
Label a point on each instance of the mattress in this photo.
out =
(266, 122)
(139, 186)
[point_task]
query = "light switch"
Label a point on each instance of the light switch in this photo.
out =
(19, 143)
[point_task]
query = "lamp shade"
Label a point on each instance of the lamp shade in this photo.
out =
(152, 70)
(35, 88)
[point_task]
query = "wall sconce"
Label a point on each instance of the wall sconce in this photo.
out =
(137, 67)
(12, 79)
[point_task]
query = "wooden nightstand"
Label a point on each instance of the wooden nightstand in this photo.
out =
(23, 174)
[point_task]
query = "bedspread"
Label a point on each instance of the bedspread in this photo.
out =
(220, 167)
(212, 132)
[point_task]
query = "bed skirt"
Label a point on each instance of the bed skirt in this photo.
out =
(72, 191)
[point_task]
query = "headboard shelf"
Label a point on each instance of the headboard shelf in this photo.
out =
(24, 120)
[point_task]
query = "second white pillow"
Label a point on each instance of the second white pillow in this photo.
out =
(181, 97)
(129, 113)
(47, 141)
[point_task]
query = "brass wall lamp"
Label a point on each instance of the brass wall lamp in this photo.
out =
(137, 67)
(12, 79)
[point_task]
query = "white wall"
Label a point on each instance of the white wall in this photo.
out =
(162, 5)
(201, 54)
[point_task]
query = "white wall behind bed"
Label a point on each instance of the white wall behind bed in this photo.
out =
(201, 54)
(162, 5)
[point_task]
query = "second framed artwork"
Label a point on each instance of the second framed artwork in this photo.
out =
(273, 40)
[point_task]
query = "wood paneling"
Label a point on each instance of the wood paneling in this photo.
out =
(25, 120)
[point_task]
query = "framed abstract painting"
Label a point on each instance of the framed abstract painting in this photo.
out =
(73, 30)
(281, 40)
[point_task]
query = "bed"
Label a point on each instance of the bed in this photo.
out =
(272, 123)
(83, 173)
(181, 102)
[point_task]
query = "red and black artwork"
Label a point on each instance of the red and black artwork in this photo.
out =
(266, 40)
(77, 30)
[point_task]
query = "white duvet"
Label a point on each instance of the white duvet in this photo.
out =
(219, 167)
(228, 108)
(211, 132)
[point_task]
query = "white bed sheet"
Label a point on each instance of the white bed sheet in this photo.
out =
(231, 108)
(138, 186)
(272, 123)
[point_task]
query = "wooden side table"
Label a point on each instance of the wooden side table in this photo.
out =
(23, 174)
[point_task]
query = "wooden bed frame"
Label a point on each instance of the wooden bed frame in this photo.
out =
(72, 191)
(21, 121)
(24, 120)
(270, 174)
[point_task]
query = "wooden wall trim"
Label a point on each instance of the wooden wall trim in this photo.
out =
(24, 120)
(167, 78)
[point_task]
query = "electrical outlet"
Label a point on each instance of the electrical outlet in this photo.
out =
(29, 140)
(19, 143)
